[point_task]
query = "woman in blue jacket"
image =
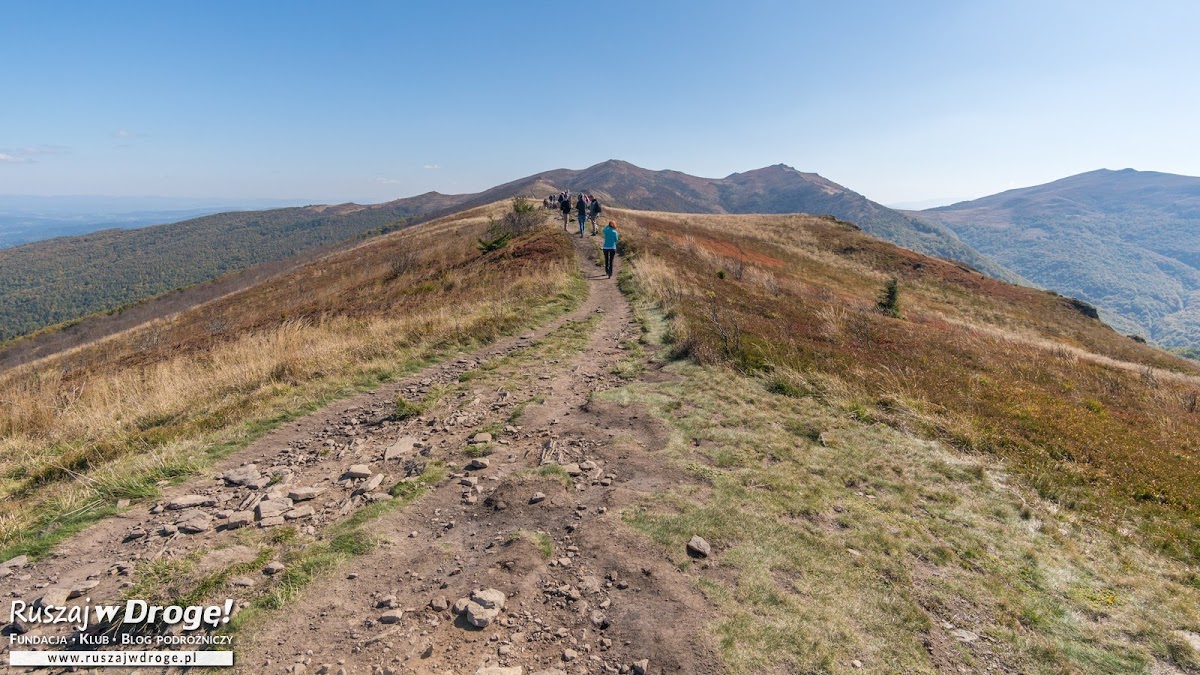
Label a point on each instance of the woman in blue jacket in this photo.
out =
(610, 247)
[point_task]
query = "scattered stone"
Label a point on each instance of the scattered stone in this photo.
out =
(698, 547)
(600, 620)
(587, 466)
(19, 561)
(190, 502)
(572, 469)
(387, 602)
(270, 508)
(123, 503)
(14, 628)
(372, 483)
(481, 437)
(569, 655)
(392, 616)
(274, 567)
(460, 606)
(52, 597)
(400, 449)
(501, 670)
(81, 589)
(243, 475)
(167, 530)
(856, 664)
(196, 524)
(273, 521)
(484, 607)
(301, 512)
(478, 463)
(641, 667)
(439, 604)
(358, 471)
(242, 582)
(304, 494)
(537, 497)
(964, 635)
(239, 519)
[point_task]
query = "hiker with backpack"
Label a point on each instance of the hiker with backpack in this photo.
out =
(564, 205)
(610, 247)
(594, 214)
(581, 207)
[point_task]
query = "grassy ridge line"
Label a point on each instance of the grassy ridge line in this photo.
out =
(137, 425)
(838, 540)
(793, 298)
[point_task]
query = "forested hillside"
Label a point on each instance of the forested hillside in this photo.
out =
(1126, 241)
(63, 279)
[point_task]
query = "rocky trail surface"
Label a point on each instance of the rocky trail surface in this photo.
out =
(514, 561)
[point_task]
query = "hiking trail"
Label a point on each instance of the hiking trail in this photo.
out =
(537, 475)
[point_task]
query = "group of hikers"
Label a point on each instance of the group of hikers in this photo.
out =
(587, 207)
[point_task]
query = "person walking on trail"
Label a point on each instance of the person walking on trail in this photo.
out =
(581, 207)
(610, 247)
(564, 205)
(594, 214)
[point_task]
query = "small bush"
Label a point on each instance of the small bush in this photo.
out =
(889, 300)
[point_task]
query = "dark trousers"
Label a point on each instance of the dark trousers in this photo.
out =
(609, 254)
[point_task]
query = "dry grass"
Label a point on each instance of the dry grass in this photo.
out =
(113, 419)
(838, 539)
(1095, 421)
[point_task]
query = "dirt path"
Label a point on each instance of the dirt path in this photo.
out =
(582, 593)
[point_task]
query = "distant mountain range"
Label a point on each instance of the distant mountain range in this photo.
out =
(773, 189)
(1126, 241)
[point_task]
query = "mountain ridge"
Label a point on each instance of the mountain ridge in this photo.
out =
(1127, 241)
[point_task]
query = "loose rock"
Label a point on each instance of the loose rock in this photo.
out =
(698, 547)
(243, 475)
(190, 502)
(537, 497)
(358, 471)
(392, 616)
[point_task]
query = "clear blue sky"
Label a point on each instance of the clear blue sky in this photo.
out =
(369, 101)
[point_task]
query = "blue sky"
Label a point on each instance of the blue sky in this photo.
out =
(902, 101)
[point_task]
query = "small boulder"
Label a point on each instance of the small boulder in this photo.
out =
(391, 616)
(239, 519)
(439, 604)
(697, 547)
(358, 471)
(300, 513)
(478, 463)
(304, 494)
(269, 508)
(274, 567)
(640, 667)
(537, 497)
(190, 502)
(400, 449)
(572, 469)
(243, 475)
(481, 437)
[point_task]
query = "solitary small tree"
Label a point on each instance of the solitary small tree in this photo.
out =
(521, 218)
(889, 300)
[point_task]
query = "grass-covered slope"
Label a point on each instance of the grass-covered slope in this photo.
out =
(63, 279)
(988, 479)
(109, 419)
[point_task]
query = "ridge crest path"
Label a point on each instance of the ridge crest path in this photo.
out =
(604, 599)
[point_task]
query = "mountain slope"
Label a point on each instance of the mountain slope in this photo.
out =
(980, 479)
(772, 189)
(62, 279)
(1126, 241)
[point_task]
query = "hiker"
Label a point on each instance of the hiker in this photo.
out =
(581, 207)
(610, 247)
(594, 214)
(564, 205)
